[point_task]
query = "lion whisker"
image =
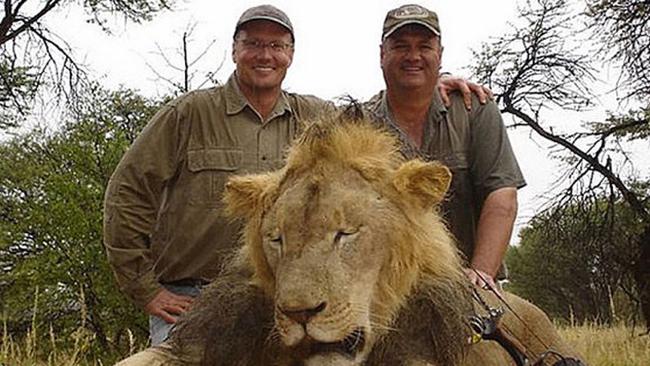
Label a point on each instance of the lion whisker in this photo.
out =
(382, 327)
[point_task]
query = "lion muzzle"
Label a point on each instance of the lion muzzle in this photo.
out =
(302, 315)
(298, 327)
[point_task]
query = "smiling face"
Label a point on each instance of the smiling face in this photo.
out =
(262, 68)
(410, 58)
(326, 256)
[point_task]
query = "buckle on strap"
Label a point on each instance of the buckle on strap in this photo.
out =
(487, 327)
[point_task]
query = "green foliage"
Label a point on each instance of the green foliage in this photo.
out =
(634, 125)
(134, 10)
(51, 195)
(34, 60)
(17, 88)
(573, 261)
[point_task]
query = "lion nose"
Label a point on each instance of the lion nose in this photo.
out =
(302, 315)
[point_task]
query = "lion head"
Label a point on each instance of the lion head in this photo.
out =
(344, 251)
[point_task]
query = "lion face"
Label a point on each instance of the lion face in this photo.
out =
(335, 240)
(326, 255)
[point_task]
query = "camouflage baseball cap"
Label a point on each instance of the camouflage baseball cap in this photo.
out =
(265, 12)
(410, 14)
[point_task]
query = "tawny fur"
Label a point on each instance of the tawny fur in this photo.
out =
(421, 299)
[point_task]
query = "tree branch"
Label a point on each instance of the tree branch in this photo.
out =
(630, 197)
(49, 5)
(7, 20)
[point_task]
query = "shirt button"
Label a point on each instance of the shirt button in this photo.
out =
(263, 157)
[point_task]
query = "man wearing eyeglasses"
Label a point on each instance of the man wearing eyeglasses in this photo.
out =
(482, 202)
(164, 232)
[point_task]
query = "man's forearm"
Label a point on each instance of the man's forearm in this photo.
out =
(494, 230)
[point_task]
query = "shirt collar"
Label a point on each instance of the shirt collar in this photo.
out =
(436, 110)
(236, 101)
(437, 114)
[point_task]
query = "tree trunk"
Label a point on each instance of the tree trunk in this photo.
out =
(642, 275)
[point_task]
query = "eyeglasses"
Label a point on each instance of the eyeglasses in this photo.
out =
(257, 45)
(404, 48)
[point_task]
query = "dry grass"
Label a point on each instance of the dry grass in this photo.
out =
(609, 346)
(601, 346)
(28, 352)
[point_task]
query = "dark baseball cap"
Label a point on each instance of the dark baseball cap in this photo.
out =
(265, 12)
(410, 14)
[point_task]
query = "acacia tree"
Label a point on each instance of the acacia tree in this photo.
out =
(51, 196)
(544, 65)
(33, 57)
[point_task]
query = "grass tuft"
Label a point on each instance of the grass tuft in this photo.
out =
(609, 345)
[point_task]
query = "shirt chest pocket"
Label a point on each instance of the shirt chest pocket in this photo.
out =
(458, 163)
(209, 169)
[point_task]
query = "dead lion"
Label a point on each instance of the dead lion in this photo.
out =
(346, 261)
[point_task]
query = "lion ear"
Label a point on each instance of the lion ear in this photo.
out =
(424, 184)
(243, 195)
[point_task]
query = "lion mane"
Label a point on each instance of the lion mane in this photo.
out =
(419, 299)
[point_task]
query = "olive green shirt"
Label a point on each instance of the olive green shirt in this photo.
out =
(473, 144)
(163, 219)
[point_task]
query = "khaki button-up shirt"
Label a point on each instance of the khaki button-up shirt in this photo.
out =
(163, 219)
(473, 144)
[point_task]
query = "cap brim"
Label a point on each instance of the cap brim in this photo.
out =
(407, 22)
(270, 19)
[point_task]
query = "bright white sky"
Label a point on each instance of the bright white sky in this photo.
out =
(337, 42)
(337, 53)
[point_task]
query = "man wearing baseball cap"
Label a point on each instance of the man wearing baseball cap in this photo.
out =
(164, 232)
(482, 203)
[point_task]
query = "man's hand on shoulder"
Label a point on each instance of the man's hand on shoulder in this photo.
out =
(168, 306)
(448, 83)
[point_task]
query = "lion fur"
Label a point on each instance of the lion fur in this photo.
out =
(422, 301)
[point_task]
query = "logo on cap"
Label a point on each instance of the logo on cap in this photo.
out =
(410, 12)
